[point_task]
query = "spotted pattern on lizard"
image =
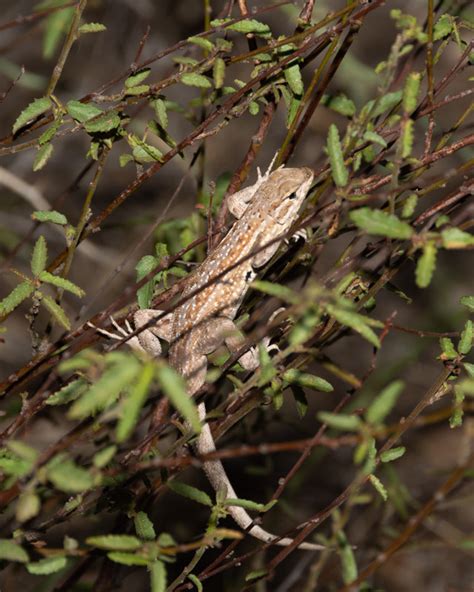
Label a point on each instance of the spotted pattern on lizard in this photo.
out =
(212, 296)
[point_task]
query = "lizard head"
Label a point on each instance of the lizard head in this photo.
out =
(288, 189)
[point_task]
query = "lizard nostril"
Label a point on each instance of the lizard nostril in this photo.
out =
(292, 196)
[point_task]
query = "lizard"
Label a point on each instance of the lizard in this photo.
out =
(213, 294)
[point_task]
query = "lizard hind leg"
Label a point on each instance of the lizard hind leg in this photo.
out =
(149, 339)
(215, 331)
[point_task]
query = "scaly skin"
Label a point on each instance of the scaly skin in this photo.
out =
(212, 295)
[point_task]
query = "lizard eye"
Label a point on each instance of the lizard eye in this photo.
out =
(292, 196)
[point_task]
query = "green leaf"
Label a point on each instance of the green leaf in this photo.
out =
(465, 342)
(307, 380)
(426, 265)
(218, 72)
(16, 297)
(92, 28)
(190, 492)
(161, 113)
(454, 238)
(146, 153)
(379, 487)
(68, 393)
(82, 112)
(447, 348)
(144, 267)
(467, 301)
(15, 466)
(132, 405)
(57, 24)
(277, 290)
(348, 562)
(201, 42)
(294, 79)
(144, 527)
(336, 157)
(107, 388)
(384, 403)
(443, 27)
(458, 410)
(67, 476)
(355, 321)
(158, 576)
(219, 22)
(49, 134)
(42, 156)
(137, 78)
(249, 26)
(60, 282)
(35, 109)
(102, 458)
(40, 256)
(370, 136)
(49, 216)
(410, 92)
(141, 89)
(28, 506)
(124, 159)
(469, 368)
(166, 540)
(386, 103)
(104, 123)
(304, 327)
(393, 454)
(56, 311)
(81, 361)
(185, 61)
(47, 566)
(254, 108)
(224, 44)
(127, 558)
(340, 421)
(174, 388)
(342, 105)
(11, 551)
(380, 223)
(193, 79)
(114, 542)
(407, 138)
(410, 205)
(23, 451)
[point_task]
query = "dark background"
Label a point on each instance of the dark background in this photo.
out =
(431, 561)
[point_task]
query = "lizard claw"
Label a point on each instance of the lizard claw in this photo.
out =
(121, 332)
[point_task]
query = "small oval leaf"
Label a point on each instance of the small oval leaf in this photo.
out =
(35, 109)
(40, 256)
(336, 157)
(380, 223)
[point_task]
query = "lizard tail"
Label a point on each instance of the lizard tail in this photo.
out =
(219, 480)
